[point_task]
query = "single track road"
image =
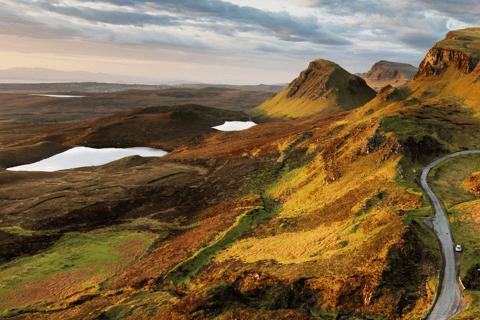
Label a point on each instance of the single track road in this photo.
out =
(448, 302)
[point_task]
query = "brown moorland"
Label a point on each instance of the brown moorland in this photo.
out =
(121, 119)
(313, 218)
(24, 116)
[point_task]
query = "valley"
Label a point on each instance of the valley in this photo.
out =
(316, 212)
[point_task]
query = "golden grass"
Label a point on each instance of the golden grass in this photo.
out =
(42, 280)
(328, 225)
(451, 84)
(470, 211)
(322, 243)
(280, 106)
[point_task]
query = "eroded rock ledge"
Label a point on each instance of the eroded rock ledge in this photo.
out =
(438, 58)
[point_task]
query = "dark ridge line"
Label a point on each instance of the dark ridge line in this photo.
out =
(44, 201)
(167, 176)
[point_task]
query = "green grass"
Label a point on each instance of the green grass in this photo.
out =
(405, 127)
(447, 178)
(415, 215)
(473, 310)
(465, 234)
(310, 99)
(147, 303)
(325, 315)
(427, 239)
(470, 44)
(187, 270)
(293, 157)
(404, 93)
(20, 231)
(74, 251)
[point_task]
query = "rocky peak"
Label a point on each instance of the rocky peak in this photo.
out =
(324, 87)
(385, 73)
(461, 48)
(322, 78)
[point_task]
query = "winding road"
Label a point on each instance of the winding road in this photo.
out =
(448, 302)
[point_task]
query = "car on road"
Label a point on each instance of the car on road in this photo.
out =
(458, 248)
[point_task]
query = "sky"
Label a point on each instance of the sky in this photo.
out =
(229, 41)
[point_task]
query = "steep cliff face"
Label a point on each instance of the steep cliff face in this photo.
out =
(437, 60)
(385, 73)
(460, 49)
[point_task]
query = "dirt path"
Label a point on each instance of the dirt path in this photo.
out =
(448, 303)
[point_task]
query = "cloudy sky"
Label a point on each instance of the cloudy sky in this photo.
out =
(223, 41)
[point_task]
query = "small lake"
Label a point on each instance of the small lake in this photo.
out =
(235, 125)
(83, 157)
(57, 95)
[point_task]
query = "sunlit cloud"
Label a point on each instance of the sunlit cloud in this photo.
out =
(274, 37)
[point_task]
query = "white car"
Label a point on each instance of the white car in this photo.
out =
(458, 248)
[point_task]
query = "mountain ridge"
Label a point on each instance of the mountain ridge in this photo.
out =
(318, 217)
(323, 87)
(38, 74)
(459, 47)
(385, 73)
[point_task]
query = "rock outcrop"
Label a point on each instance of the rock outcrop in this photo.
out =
(387, 93)
(385, 73)
(455, 50)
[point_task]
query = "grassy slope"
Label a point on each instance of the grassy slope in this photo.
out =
(337, 98)
(345, 235)
(343, 231)
(448, 181)
(80, 264)
(445, 108)
(468, 42)
(346, 231)
(344, 218)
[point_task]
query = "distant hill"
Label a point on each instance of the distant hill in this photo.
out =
(315, 218)
(32, 80)
(35, 75)
(166, 127)
(385, 73)
(323, 87)
(259, 87)
(65, 87)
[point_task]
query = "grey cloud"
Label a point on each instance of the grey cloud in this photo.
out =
(347, 7)
(14, 24)
(402, 22)
(268, 48)
(463, 10)
(418, 40)
(390, 23)
(282, 25)
(111, 17)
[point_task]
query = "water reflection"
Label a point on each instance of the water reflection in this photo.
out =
(83, 157)
(235, 125)
(57, 95)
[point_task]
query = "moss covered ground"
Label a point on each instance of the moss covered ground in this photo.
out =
(78, 264)
(468, 41)
(312, 218)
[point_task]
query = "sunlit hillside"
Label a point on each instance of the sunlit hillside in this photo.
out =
(323, 87)
(320, 217)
